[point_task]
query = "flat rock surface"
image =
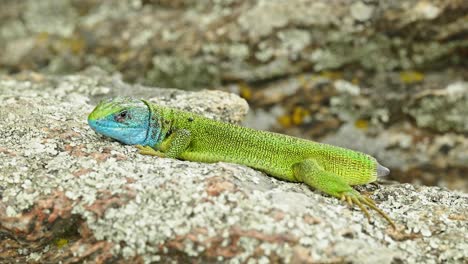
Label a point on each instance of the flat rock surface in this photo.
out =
(68, 194)
(393, 73)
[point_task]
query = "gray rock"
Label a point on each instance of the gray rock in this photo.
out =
(201, 44)
(68, 194)
(443, 109)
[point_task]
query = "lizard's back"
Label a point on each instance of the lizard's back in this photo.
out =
(273, 153)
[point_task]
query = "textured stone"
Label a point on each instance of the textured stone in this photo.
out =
(68, 194)
(201, 44)
(443, 110)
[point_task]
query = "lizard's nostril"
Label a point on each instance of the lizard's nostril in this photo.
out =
(382, 171)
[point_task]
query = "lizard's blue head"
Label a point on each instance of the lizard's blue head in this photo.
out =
(122, 118)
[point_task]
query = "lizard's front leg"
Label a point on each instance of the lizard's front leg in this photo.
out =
(171, 147)
(147, 150)
(309, 172)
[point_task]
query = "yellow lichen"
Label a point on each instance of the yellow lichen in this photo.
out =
(61, 242)
(245, 91)
(124, 56)
(296, 118)
(332, 75)
(298, 115)
(42, 37)
(303, 81)
(411, 77)
(73, 44)
(285, 121)
(361, 124)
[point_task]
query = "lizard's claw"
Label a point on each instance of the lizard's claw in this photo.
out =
(360, 200)
(147, 150)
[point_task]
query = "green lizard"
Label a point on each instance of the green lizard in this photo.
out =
(171, 133)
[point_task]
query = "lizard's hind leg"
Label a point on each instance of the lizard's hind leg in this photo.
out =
(310, 172)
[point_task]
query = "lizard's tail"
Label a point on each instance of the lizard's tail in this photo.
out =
(382, 171)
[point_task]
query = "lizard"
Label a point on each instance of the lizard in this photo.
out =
(171, 133)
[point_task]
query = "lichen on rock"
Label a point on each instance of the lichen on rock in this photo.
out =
(63, 182)
(442, 110)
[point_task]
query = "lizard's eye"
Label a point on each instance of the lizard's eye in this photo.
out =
(120, 117)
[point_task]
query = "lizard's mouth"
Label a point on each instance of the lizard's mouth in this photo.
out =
(96, 124)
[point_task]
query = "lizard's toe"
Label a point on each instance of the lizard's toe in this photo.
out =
(363, 201)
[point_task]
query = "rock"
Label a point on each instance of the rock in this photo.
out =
(443, 110)
(361, 11)
(202, 44)
(70, 195)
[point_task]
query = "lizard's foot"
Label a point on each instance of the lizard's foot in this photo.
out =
(360, 200)
(147, 150)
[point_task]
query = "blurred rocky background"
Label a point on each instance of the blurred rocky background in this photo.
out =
(385, 77)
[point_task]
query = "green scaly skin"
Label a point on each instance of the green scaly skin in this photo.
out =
(188, 136)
